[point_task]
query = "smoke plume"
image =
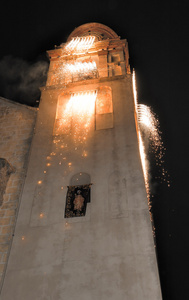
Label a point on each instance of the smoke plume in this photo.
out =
(20, 80)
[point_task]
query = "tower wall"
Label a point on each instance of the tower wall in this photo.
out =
(108, 253)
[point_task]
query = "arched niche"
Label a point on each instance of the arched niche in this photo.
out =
(80, 179)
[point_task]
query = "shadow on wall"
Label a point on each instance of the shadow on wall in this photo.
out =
(5, 171)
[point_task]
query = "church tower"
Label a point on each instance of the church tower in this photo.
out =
(83, 229)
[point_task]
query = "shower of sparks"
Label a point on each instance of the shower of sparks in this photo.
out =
(78, 113)
(80, 67)
(148, 126)
(144, 162)
(141, 144)
(65, 73)
(80, 43)
(75, 71)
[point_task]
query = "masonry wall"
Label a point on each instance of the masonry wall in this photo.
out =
(17, 123)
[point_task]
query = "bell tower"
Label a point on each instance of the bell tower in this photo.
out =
(83, 229)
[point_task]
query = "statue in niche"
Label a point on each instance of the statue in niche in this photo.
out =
(76, 200)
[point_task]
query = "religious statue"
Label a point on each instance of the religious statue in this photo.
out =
(78, 201)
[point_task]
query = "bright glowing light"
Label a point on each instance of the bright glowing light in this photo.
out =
(84, 153)
(135, 91)
(78, 114)
(143, 159)
(80, 67)
(80, 43)
(65, 73)
(82, 103)
(141, 144)
(75, 71)
(148, 126)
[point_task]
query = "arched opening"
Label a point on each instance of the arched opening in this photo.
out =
(80, 179)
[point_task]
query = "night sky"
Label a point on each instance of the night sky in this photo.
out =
(157, 35)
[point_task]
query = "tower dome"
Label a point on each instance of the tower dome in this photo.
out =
(98, 30)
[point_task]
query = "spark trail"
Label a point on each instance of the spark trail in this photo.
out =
(148, 135)
(79, 111)
(80, 43)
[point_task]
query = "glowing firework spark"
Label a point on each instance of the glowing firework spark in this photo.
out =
(83, 103)
(75, 71)
(78, 113)
(65, 72)
(80, 43)
(148, 124)
(80, 67)
(141, 144)
(144, 164)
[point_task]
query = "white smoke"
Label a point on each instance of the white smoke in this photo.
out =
(20, 80)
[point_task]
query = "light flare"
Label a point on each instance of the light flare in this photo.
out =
(148, 126)
(141, 143)
(148, 122)
(143, 161)
(80, 67)
(82, 103)
(75, 71)
(78, 114)
(65, 73)
(80, 43)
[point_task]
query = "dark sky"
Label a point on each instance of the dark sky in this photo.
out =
(157, 34)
